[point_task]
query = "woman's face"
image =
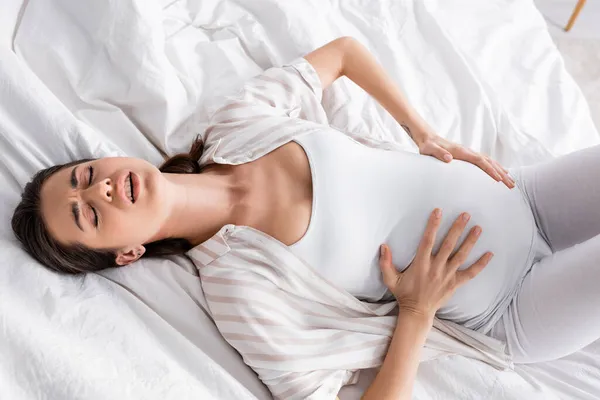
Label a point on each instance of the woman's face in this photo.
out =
(93, 204)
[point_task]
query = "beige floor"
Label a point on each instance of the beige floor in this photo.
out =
(580, 47)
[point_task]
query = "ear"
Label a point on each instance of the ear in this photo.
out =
(129, 254)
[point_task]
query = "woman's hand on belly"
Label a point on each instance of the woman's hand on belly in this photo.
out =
(440, 148)
(433, 279)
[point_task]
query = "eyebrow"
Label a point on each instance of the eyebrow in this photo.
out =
(75, 206)
(74, 182)
(75, 211)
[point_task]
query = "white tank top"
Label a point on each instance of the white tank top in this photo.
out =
(363, 197)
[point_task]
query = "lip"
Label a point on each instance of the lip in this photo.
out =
(137, 187)
(122, 187)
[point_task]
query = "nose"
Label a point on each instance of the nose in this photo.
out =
(99, 191)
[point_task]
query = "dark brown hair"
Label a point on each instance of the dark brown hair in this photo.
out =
(29, 227)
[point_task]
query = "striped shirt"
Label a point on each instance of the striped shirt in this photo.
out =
(304, 336)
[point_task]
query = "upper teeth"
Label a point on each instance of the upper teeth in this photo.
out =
(129, 188)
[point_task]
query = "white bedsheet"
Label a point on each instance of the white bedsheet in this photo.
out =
(131, 77)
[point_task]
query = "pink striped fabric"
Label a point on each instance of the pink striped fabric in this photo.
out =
(304, 336)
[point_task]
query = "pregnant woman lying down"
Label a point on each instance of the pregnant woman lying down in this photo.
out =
(285, 218)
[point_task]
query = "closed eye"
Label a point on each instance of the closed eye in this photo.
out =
(91, 173)
(95, 216)
(91, 178)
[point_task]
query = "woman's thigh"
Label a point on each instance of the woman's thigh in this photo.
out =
(556, 311)
(564, 194)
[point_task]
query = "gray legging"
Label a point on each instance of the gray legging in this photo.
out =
(557, 309)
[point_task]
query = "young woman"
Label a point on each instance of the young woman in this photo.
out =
(270, 164)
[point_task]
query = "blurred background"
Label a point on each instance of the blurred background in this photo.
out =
(580, 45)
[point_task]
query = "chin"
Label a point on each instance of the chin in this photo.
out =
(155, 187)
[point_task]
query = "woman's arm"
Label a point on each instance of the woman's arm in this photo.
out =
(346, 56)
(395, 379)
(421, 289)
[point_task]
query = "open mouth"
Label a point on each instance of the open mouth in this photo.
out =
(129, 189)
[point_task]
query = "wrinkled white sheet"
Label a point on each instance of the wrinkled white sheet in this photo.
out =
(131, 77)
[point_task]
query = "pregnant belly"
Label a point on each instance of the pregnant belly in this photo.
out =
(507, 230)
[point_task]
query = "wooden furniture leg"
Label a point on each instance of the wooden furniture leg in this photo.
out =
(575, 14)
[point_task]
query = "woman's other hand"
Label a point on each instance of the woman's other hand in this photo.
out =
(346, 56)
(430, 280)
(440, 148)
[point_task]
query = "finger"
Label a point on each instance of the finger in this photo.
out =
(497, 169)
(508, 181)
(442, 154)
(503, 169)
(427, 241)
(481, 162)
(452, 237)
(460, 256)
(469, 273)
(388, 270)
(489, 168)
(487, 164)
(385, 256)
(436, 151)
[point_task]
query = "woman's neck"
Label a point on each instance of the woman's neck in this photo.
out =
(203, 203)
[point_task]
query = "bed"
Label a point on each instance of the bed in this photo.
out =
(134, 77)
